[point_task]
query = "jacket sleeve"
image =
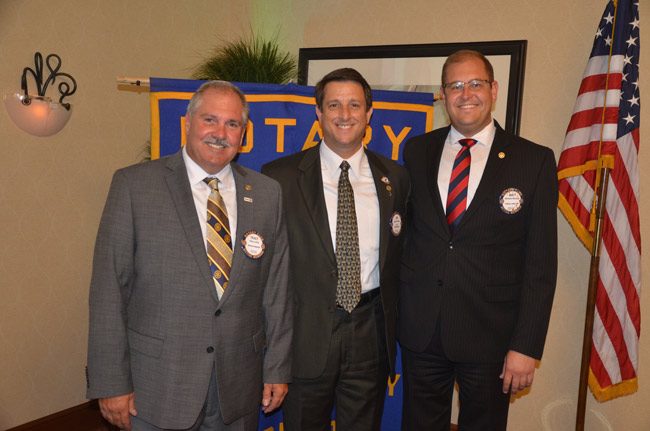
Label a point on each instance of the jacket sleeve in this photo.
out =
(278, 305)
(108, 370)
(540, 271)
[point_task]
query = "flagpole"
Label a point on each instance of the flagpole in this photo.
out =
(587, 336)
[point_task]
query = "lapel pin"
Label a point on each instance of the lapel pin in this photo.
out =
(248, 199)
(502, 155)
(511, 200)
(253, 244)
(396, 224)
(248, 187)
(385, 180)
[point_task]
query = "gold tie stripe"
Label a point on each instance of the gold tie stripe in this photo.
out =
(219, 241)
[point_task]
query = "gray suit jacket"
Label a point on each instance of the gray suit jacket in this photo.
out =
(156, 324)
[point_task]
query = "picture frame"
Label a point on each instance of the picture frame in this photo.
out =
(417, 67)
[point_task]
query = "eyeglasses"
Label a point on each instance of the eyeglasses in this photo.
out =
(472, 85)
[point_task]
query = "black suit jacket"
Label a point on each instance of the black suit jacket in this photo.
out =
(490, 285)
(313, 264)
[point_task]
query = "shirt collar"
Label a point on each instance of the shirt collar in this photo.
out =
(484, 137)
(330, 161)
(196, 174)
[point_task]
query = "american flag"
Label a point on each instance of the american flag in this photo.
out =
(604, 131)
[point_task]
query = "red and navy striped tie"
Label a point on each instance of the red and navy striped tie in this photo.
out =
(457, 196)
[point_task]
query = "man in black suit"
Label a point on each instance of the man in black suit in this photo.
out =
(480, 261)
(344, 340)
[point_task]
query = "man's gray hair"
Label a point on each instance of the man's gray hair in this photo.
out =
(222, 86)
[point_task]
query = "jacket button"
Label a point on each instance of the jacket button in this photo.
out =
(440, 283)
(217, 313)
(451, 245)
(210, 349)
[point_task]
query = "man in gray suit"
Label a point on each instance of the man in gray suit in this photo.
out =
(181, 338)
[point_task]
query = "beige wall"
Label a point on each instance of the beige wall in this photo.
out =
(52, 190)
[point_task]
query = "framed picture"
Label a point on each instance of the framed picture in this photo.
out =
(418, 68)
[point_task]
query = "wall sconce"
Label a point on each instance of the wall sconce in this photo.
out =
(40, 115)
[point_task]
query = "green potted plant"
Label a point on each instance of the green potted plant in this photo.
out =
(250, 59)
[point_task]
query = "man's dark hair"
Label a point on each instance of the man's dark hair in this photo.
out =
(339, 75)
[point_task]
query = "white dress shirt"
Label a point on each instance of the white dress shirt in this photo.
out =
(366, 207)
(201, 192)
(480, 152)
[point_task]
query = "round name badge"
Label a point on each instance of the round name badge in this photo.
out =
(396, 224)
(253, 244)
(511, 200)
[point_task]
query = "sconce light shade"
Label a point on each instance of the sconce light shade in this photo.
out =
(36, 115)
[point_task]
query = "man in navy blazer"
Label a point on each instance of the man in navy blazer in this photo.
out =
(172, 345)
(480, 262)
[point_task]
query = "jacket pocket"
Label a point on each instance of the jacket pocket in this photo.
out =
(259, 341)
(502, 292)
(149, 346)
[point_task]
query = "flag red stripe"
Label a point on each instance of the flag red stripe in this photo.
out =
(621, 181)
(574, 202)
(598, 368)
(614, 331)
(588, 117)
(617, 256)
(577, 156)
(599, 82)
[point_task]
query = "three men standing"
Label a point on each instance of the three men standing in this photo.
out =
(169, 324)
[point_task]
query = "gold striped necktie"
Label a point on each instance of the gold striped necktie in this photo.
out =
(219, 242)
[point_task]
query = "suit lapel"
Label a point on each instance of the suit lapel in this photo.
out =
(386, 197)
(434, 153)
(492, 172)
(181, 193)
(310, 182)
(244, 213)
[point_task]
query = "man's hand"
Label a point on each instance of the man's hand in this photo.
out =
(273, 396)
(518, 371)
(116, 410)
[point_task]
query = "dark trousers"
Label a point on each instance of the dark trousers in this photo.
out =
(354, 379)
(429, 378)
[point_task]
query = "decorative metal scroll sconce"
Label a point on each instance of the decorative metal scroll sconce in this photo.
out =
(39, 115)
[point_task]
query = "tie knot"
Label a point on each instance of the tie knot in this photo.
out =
(345, 166)
(467, 143)
(213, 182)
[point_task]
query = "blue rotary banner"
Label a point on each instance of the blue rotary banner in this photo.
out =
(283, 121)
